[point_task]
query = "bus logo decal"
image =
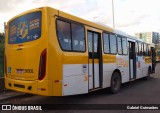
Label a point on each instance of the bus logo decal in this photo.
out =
(25, 28)
(22, 29)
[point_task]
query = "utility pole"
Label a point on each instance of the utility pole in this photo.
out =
(95, 18)
(113, 13)
(4, 28)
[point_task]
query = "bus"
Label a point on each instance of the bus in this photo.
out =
(157, 55)
(52, 53)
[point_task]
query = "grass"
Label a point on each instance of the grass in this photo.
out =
(1, 45)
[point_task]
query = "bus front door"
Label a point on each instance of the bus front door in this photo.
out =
(132, 60)
(95, 60)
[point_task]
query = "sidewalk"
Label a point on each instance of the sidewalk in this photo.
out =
(8, 94)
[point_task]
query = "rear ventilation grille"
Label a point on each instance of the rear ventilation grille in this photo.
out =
(19, 86)
(29, 87)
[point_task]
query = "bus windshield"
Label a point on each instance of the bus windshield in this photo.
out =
(25, 28)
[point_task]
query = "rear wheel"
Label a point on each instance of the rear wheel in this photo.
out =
(115, 82)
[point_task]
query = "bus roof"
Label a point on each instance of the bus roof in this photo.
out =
(96, 25)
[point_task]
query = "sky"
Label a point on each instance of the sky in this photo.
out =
(131, 16)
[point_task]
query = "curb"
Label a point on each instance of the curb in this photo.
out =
(9, 95)
(2, 87)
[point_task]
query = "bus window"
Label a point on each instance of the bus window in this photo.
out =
(137, 48)
(90, 42)
(25, 28)
(95, 43)
(140, 48)
(78, 38)
(113, 44)
(106, 42)
(119, 41)
(64, 35)
(145, 49)
(149, 50)
(71, 36)
(124, 45)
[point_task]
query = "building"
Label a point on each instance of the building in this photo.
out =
(149, 37)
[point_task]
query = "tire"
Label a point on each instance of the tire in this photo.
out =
(149, 74)
(115, 83)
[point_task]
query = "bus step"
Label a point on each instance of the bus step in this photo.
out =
(133, 79)
(91, 90)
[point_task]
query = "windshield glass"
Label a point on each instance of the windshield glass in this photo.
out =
(25, 28)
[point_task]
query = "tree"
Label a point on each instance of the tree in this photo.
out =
(2, 37)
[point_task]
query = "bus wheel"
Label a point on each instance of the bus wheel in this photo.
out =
(115, 83)
(148, 75)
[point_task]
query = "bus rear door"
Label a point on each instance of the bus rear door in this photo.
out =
(95, 60)
(132, 60)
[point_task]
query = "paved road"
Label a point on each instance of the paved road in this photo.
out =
(136, 92)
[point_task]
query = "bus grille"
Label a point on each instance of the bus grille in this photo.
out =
(19, 86)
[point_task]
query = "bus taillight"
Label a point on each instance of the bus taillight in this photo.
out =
(42, 66)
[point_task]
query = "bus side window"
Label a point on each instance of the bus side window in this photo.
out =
(64, 36)
(106, 42)
(78, 37)
(124, 46)
(113, 44)
(71, 36)
(145, 49)
(137, 48)
(140, 48)
(149, 50)
(119, 41)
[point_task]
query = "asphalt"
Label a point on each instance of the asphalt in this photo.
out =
(8, 94)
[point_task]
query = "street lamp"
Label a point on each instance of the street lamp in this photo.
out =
(113, 13)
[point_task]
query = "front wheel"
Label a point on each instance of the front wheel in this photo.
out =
(115, 83)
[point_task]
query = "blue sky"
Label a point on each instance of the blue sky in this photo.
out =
(131, 16)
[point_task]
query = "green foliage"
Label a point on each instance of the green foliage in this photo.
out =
(2, 37)
(1, 66)
(1, 54)
(1, 60)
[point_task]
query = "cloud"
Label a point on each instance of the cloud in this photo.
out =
(136, 22)
(86, 9)
(133, 22)
(9, 5)
(130, 15)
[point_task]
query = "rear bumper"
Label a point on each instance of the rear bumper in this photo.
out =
(34, 87)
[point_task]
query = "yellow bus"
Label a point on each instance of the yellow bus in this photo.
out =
(49, 52)
(157, 55)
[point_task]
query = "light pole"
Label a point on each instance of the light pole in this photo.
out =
(113, 13)
(95, 18)
(43, 3)
(5, 27)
